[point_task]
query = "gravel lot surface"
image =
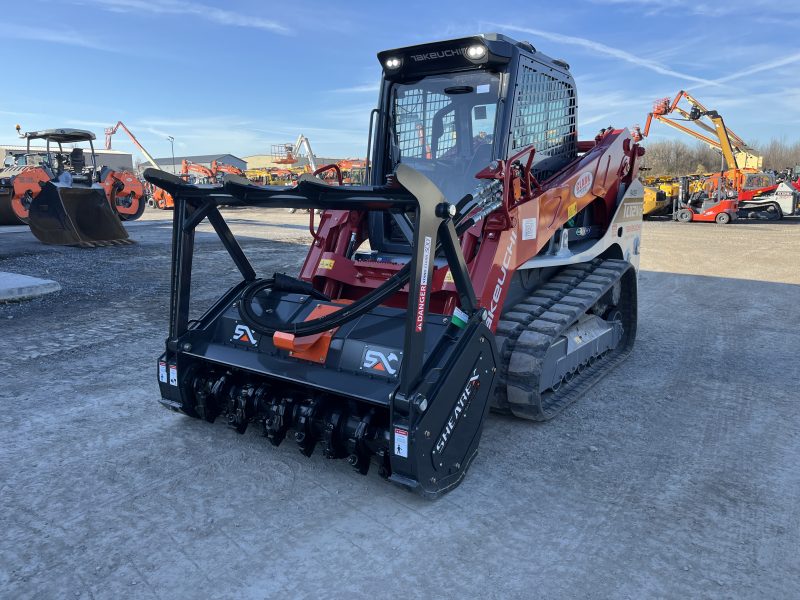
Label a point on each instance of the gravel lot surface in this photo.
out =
(676, 477)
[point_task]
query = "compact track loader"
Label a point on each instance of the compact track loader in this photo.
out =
(490, 262)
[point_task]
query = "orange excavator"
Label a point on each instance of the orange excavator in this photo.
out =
(221, 168)
(197, 173)
(158, 197)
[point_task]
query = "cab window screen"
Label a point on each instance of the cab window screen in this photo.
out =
(544, 116)
(415, 109)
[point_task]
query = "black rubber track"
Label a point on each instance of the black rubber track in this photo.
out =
(525, 333)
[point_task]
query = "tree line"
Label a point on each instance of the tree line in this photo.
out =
(669, 158)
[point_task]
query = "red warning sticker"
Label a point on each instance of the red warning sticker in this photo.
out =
(401, 442)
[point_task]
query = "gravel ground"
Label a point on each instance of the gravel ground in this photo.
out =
(675, 477)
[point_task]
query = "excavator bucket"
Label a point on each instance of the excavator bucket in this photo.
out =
(74, 216)
(7, 214)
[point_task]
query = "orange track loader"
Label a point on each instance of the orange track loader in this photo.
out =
(473, 270)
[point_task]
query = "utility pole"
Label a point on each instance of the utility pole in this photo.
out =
(172, 145)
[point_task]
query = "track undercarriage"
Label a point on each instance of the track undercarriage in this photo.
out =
(564, 337)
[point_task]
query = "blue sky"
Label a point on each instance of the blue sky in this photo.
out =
(239, 75)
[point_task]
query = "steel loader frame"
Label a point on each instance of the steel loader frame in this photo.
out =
(424, 408)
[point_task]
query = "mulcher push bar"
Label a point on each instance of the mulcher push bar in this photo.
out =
(434, 220)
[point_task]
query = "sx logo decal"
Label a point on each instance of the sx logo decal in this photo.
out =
(243, 333)
(378, 361)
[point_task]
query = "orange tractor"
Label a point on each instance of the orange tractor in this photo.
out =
(64, 200)
(25, 174)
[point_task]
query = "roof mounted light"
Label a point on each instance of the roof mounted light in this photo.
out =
(476, 52)
(392, 64)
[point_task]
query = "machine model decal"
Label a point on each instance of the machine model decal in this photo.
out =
(382, 361)
(498, 288)
(423, 282)
(583, 184)
(632, 211)
(243, 333)
(458, 411)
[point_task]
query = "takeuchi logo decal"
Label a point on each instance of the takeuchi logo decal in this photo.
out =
(583, 184)
(447, 53)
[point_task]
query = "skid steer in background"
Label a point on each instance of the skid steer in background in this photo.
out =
(59, 195)
(501, 271)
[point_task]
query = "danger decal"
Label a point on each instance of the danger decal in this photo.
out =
(423, 283)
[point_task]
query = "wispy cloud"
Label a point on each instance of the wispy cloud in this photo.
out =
(213, 14)
(606, 50)
(93, 124)
(758, 68)
(358, 89)
(60, 35)
(657, 8)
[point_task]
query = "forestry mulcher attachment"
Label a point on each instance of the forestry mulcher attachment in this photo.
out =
(500, 271)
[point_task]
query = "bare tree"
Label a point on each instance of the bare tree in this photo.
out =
(670, 158)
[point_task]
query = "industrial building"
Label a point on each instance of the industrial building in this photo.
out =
(171, 164)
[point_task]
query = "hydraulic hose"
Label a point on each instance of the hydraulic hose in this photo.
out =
(349, 312)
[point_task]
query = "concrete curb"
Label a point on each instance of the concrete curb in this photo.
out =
(14, 287)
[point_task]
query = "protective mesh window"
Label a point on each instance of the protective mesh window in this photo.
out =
(544, 116)
(415, 109)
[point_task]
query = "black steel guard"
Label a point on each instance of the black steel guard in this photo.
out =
(434, 229)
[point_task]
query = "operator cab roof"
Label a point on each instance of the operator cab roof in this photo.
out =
(485, 50)
(60, 136)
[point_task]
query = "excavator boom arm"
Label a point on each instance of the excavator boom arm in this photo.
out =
(112, 130)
